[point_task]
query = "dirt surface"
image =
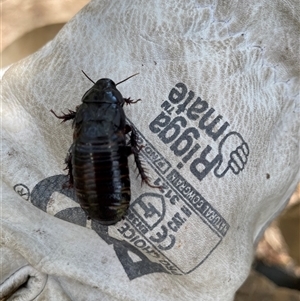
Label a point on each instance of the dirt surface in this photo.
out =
(280, 248)
(259, 288)
(22, 16)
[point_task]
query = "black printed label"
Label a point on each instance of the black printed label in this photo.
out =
(186, 143)
(163, 223)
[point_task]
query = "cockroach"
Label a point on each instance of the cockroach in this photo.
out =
(97, 160)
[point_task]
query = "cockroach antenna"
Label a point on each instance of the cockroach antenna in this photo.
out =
(127, 78)
(88, 77)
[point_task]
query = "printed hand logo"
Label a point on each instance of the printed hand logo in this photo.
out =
(234, 152)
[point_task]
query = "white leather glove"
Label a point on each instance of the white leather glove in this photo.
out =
(219, 121)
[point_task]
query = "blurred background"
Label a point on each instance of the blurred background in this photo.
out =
(27, 25)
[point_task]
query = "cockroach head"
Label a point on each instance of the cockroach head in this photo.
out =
(106, 82)
(103, 83)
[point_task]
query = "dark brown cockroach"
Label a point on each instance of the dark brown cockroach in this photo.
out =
(97, 159)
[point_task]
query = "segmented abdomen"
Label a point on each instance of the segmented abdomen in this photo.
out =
(101, 178)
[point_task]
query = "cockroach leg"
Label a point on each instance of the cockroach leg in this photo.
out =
(68, 162)
(65, 117)
(129, 101)
(127, 129)
(135, 149)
